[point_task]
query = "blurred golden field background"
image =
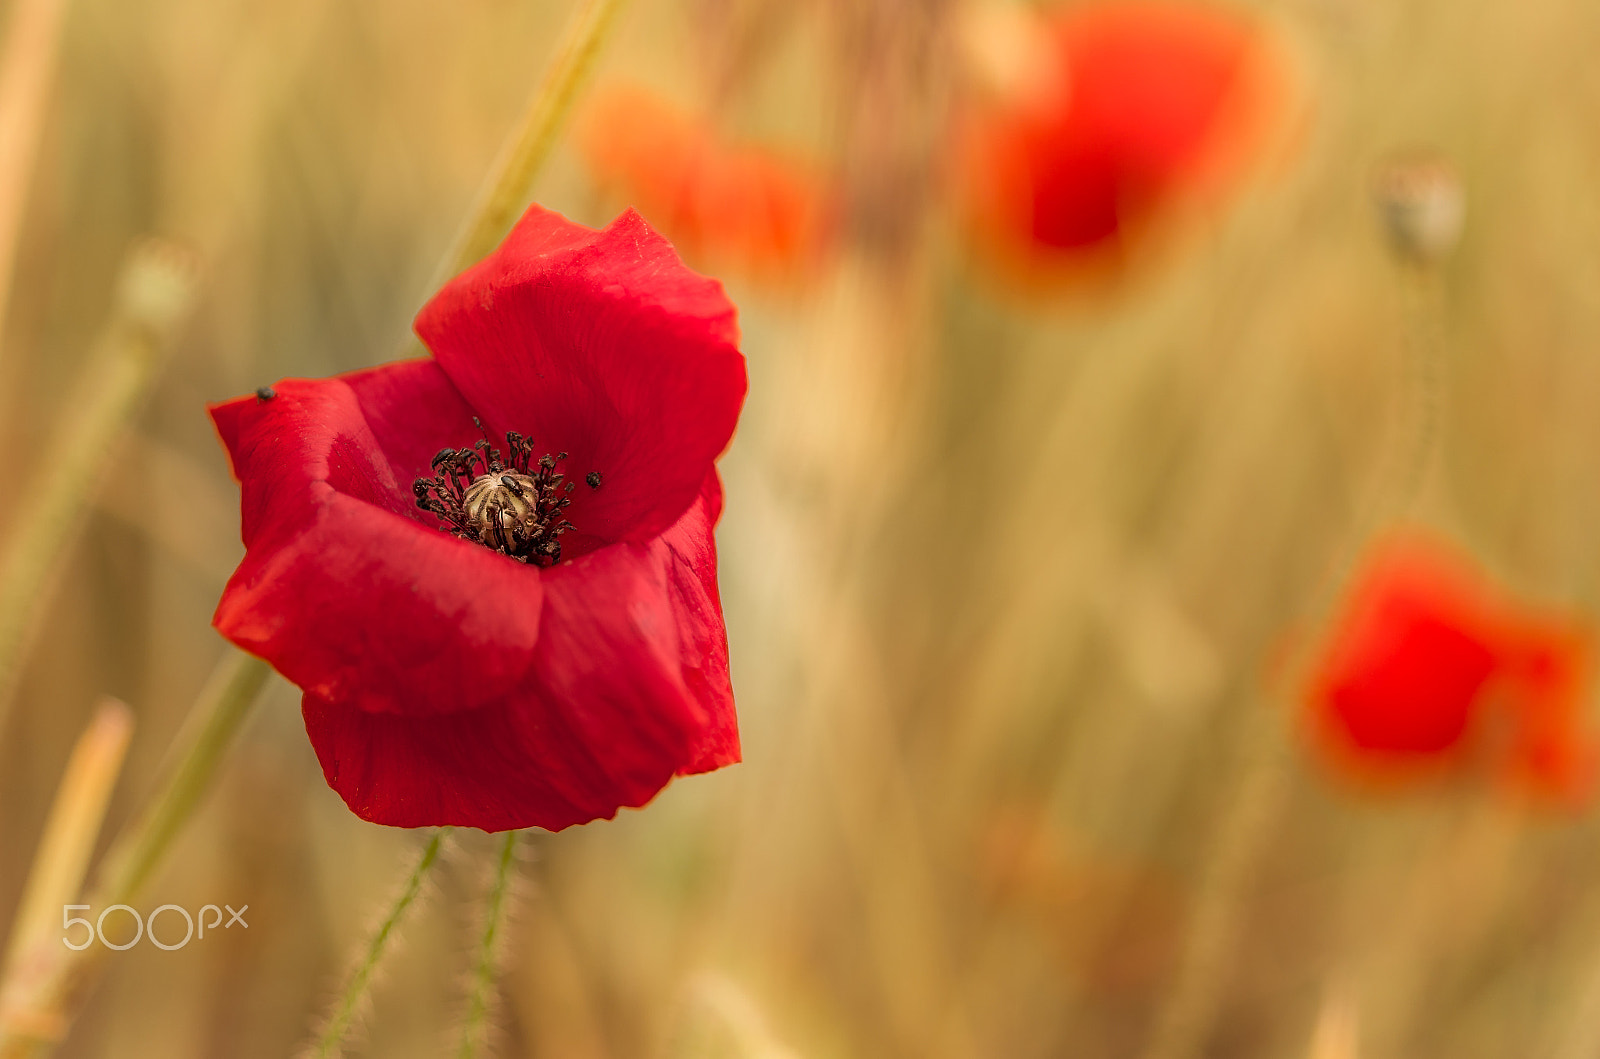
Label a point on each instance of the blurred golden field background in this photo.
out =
(1010, 576)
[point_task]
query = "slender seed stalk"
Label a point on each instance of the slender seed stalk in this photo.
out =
(1187, 1014)
(154, 292)
(218, 714)
(475, 1024)
(330, 1041)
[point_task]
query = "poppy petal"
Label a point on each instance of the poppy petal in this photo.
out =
(342, 589)
(630, 687)
(602, 344)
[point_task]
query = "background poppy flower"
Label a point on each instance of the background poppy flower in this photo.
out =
(760, 210)
(448, 684)
(1121, 109)
(1429, 670)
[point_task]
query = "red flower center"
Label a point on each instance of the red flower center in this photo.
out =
(511, 504)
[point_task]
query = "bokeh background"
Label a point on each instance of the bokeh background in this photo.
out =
(1010, 568)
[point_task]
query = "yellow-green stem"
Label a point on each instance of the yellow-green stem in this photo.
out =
(209, 732)
(510, 183)
(475, 1023)
(343, 1017)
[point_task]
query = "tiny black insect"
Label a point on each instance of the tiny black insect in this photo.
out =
(593, 478)
(266, 393)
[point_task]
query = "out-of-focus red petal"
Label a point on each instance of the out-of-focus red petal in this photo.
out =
(764, 211)
(1135, 106)
(342, 588)
(604, 345)
(1432, 669)
(1400, 681)
(1152, 81)
(1547, 668)
(630, 687)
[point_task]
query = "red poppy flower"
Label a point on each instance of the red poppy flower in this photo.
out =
(518, 636)
(1121, 109)
(1430, 670)
(762, 211)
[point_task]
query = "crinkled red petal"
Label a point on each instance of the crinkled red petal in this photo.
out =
(1151, 80)
(1403, 679)
(602, 344)
(629, 688)
(345, 588)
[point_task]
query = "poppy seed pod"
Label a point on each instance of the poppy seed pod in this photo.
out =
(1422, 205)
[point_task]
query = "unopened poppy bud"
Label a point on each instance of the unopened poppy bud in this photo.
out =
(1420, 199)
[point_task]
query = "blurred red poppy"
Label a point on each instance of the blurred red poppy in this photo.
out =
(755, 209)
(498, 638)
(1117, 111)
(1430, 670)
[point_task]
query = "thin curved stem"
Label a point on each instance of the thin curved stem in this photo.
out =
(475, 1024)
(1186, 1016)
(343, 1017)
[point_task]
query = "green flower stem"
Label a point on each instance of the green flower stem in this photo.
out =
(475, 1023)
(154, 292)
(218, 714)
(509, 185)
(223, 706)
(331, 1040)
(510, 182)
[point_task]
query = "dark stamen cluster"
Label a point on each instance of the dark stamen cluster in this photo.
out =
(509, 504)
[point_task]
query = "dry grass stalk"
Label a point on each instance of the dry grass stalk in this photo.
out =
(27, 68)
(154, 292)
(56, 878)
(213, 725)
